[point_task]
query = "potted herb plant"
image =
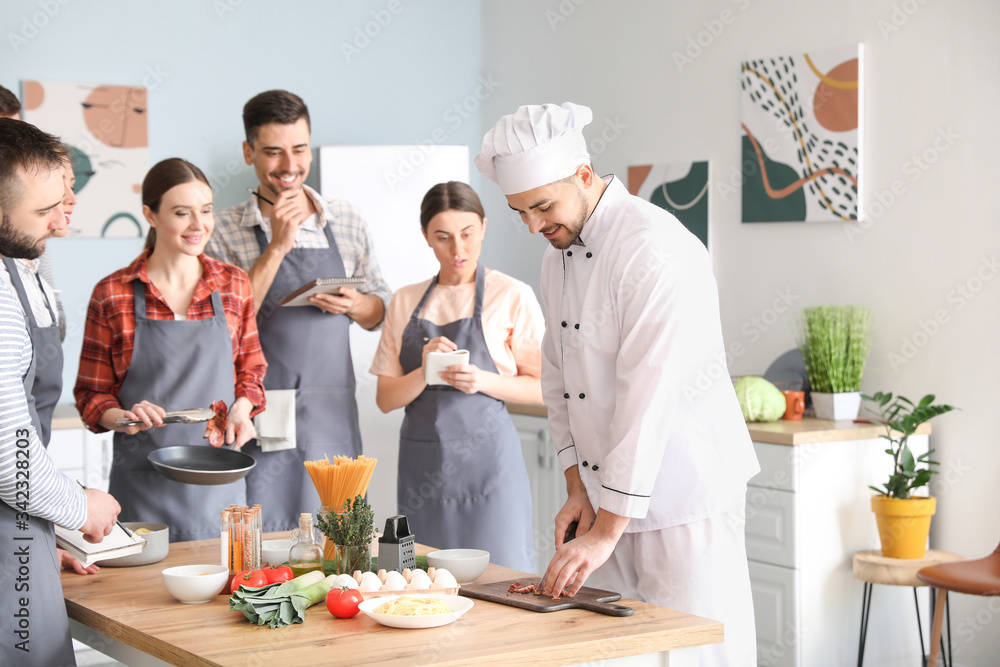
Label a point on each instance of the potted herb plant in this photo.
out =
(904, 521)
(834, 343)
(351, 532)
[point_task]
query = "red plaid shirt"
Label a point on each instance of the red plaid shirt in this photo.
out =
(110, 333)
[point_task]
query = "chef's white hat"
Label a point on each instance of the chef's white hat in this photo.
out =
(534, 146)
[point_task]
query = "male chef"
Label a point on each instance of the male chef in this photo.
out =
(656, 470)
(285, 236)
(34, 629)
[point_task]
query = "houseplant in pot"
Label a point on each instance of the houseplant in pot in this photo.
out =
(834, 343)
(904, 521)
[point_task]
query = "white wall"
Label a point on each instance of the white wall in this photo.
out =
(932, 70)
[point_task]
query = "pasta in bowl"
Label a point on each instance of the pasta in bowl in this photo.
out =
(416, 610)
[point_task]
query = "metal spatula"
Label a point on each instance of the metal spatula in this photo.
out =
(192, 416)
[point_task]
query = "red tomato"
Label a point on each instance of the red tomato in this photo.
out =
(249, 578)
(343, 602)
(277, 574)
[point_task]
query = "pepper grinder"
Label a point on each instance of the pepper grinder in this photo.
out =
(396, 546)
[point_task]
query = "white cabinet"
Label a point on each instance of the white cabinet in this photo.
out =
(808, 512)
(548, 486)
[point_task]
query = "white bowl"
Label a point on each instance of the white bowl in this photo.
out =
(156, 548)
(195, 584)
(458, 604)
(465, 564)
(274, 552)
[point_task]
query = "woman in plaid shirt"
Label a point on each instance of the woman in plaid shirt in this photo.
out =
(173, 330)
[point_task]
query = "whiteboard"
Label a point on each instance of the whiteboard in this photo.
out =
(388, 183)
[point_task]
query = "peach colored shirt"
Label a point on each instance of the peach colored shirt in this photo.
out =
(512, 322)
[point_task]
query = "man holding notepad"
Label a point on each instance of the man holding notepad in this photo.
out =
(284, 236)
(34, 629)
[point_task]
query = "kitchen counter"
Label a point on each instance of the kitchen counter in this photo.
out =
(128, 614)
(66, 416)
(808, 430)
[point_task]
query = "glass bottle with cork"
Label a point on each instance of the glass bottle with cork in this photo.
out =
(306, 553)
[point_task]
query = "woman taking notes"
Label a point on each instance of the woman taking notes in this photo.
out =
(462, 481)
(174, 330)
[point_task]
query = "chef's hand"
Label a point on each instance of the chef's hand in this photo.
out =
(70, 562)
(288, 212)
(148, 413)
(439, 344)
(577, 508)
(466, 378)
(239, 428)
(577, 559)
(102, 512)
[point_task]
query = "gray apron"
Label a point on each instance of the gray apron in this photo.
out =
(47, 632)
(47, 360)
(462, 481)
(176, 364)
(308, 350)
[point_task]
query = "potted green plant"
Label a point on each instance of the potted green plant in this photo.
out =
(351, 532)
(834, 343)
(904, 521)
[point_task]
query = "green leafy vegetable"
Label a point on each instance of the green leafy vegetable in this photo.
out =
(280, 604)
(760, 401)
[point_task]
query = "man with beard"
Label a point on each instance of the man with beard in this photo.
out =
(285, 236)
(34, 629)
(656, 469)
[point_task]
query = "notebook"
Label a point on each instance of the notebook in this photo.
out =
(300, 297)
(118, 543)
(440, 361)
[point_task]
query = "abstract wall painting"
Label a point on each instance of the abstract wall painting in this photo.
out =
(678, 187)
(801, 136)
(106, 130)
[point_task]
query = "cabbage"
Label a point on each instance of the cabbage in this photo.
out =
(760, 400)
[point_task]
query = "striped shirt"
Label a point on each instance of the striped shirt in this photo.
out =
(50, 494)
(109, 336)
(234, 241)
(39, 291)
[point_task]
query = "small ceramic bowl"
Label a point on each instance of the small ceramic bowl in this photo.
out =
(195, 584)
(156, 549)
(466, 564)
(274, 552)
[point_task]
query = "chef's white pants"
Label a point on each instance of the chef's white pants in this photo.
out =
(699, 568)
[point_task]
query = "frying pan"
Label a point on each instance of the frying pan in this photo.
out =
(201, 464)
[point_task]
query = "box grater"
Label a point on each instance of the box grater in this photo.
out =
(396, 546)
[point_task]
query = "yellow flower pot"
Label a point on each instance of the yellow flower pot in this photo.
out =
(903, 525)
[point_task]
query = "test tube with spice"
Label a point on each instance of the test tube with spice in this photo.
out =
(259, 534)
(224, 541)
(236, 541)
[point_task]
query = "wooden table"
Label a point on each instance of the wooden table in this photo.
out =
(128, 614)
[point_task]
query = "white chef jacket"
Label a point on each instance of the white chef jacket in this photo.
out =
(634, 370)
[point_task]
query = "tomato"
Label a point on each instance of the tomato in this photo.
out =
(277, 574)
(343, 602)
(249, 579)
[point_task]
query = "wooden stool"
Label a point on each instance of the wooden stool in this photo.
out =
(872, 568)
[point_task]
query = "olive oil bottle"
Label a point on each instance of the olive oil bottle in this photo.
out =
(306, 553)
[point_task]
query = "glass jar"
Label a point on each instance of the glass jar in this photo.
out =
(306, 554)
(348, 558)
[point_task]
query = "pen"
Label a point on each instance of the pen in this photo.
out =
(120, 524)
(260, 196)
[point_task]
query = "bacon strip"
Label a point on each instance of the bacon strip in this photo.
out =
(215, 430)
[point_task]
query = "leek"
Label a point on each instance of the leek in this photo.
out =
(281, 604)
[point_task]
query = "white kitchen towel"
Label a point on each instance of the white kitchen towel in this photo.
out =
(276, 425)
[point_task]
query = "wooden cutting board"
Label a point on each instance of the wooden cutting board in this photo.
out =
(592, 599)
